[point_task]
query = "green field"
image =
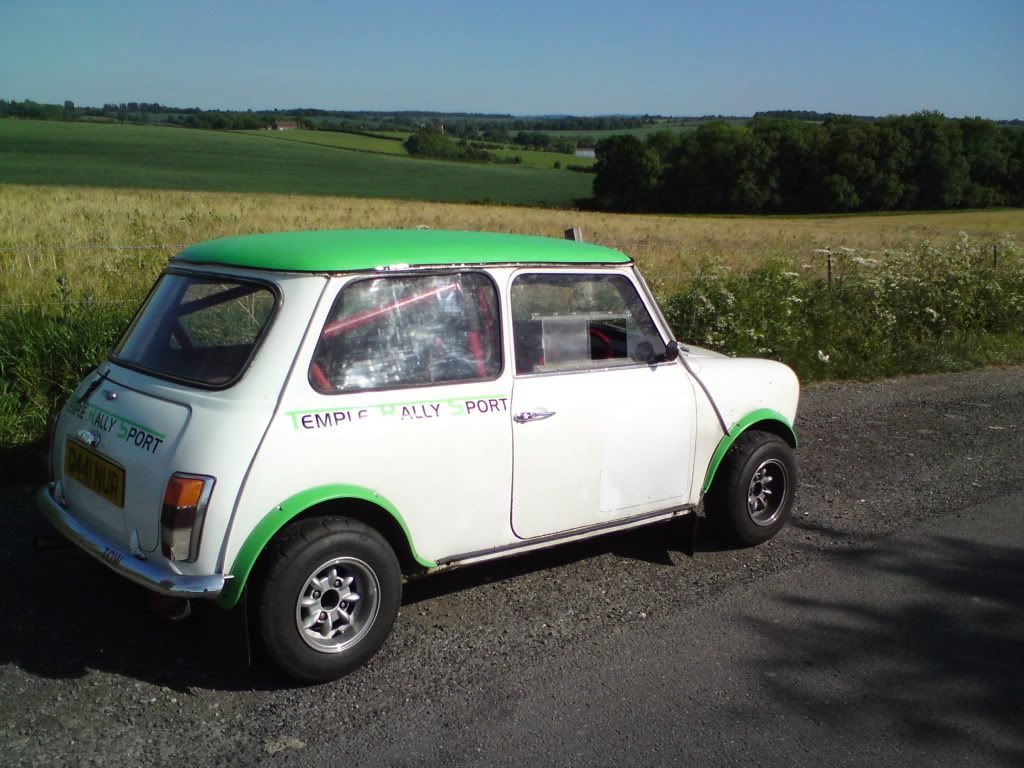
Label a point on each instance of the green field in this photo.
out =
(76, 154)
(534, 158)
(354, 141)
(393, 146)
(641, 133)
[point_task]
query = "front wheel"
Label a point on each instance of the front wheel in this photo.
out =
(752, 493)
(331, 594)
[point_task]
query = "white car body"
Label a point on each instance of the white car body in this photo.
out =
(448, 467)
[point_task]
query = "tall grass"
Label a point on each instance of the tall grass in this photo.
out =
(36, 221)
(44, 351)
(929, 308)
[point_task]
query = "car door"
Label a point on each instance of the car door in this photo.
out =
(603, 424)
(405, 396)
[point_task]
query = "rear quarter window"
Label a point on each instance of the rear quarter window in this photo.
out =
(202, 330)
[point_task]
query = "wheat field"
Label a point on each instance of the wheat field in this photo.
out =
(49, 233)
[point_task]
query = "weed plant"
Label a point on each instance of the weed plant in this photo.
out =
(926, 309)
(44, 351)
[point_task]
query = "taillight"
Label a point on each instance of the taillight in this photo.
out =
(181, 521)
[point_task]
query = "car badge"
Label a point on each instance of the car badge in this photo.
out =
(90, 438)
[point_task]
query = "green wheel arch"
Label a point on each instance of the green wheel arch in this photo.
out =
(773, 420)
(287, 510)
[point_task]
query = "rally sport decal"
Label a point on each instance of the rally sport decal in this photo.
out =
(131, 432)
(417, 410)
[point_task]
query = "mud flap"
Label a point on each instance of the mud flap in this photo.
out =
(690, 534)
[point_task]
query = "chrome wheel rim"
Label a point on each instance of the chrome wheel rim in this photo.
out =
(337, 604)
(767, 492)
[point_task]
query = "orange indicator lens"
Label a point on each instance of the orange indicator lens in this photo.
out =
(183, 492)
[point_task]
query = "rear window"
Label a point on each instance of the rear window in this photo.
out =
(198, 329)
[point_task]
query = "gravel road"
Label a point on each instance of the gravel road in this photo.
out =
(86, 678)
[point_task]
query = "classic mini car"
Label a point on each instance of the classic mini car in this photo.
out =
(302, 420)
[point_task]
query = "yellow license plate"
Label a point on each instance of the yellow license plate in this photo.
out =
(96, 473)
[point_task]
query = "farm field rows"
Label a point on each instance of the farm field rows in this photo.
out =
(33, 152)
(339, 139)
(535, 158)
(597, 135)
(393, 146)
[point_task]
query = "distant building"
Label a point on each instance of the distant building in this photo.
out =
(283, 125)
(585, 153)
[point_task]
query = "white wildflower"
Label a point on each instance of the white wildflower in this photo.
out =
(795, 300)
(865, 262)
(791, 274)
(823, 357)
(931, 313)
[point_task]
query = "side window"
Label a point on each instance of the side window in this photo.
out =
(407, 331)
(566, 322)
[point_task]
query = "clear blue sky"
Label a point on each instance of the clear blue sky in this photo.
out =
(525, 57)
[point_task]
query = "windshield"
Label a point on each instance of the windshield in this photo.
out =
(197, 329)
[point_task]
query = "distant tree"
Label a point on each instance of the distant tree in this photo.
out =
(938, 171)
(627, 172)
(790, 178)
(839, 194)
(716, 168)
(987, 149)
(428, 142)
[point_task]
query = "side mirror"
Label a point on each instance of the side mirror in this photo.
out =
(645, 353)
(671, 350)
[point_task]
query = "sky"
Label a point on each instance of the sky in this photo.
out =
(523, 57)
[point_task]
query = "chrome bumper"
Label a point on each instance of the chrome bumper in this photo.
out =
(149, 574)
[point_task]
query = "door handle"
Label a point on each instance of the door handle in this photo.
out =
(527, 416)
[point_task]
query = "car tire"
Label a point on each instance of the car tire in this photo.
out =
(751, 496)
(329, 598)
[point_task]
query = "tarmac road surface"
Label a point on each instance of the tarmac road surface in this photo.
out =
(883, 626)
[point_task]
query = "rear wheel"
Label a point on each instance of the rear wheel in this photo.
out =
(331, 594)
(752, 493)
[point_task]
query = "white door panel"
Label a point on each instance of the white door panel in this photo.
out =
(619, 443)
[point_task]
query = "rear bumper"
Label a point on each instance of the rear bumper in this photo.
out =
(152, 575)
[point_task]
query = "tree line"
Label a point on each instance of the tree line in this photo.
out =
(771, 165)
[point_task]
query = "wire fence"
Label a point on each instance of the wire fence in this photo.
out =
(120, 250)
(88, 246)
(830, 256)
(6, 305)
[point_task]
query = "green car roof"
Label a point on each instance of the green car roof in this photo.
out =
(357, 250)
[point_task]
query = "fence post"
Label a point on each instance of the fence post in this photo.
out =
(574, 233)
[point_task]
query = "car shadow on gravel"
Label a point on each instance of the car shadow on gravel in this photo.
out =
(665, 544)
(65, 614)
(69, 615)
(942, 670)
